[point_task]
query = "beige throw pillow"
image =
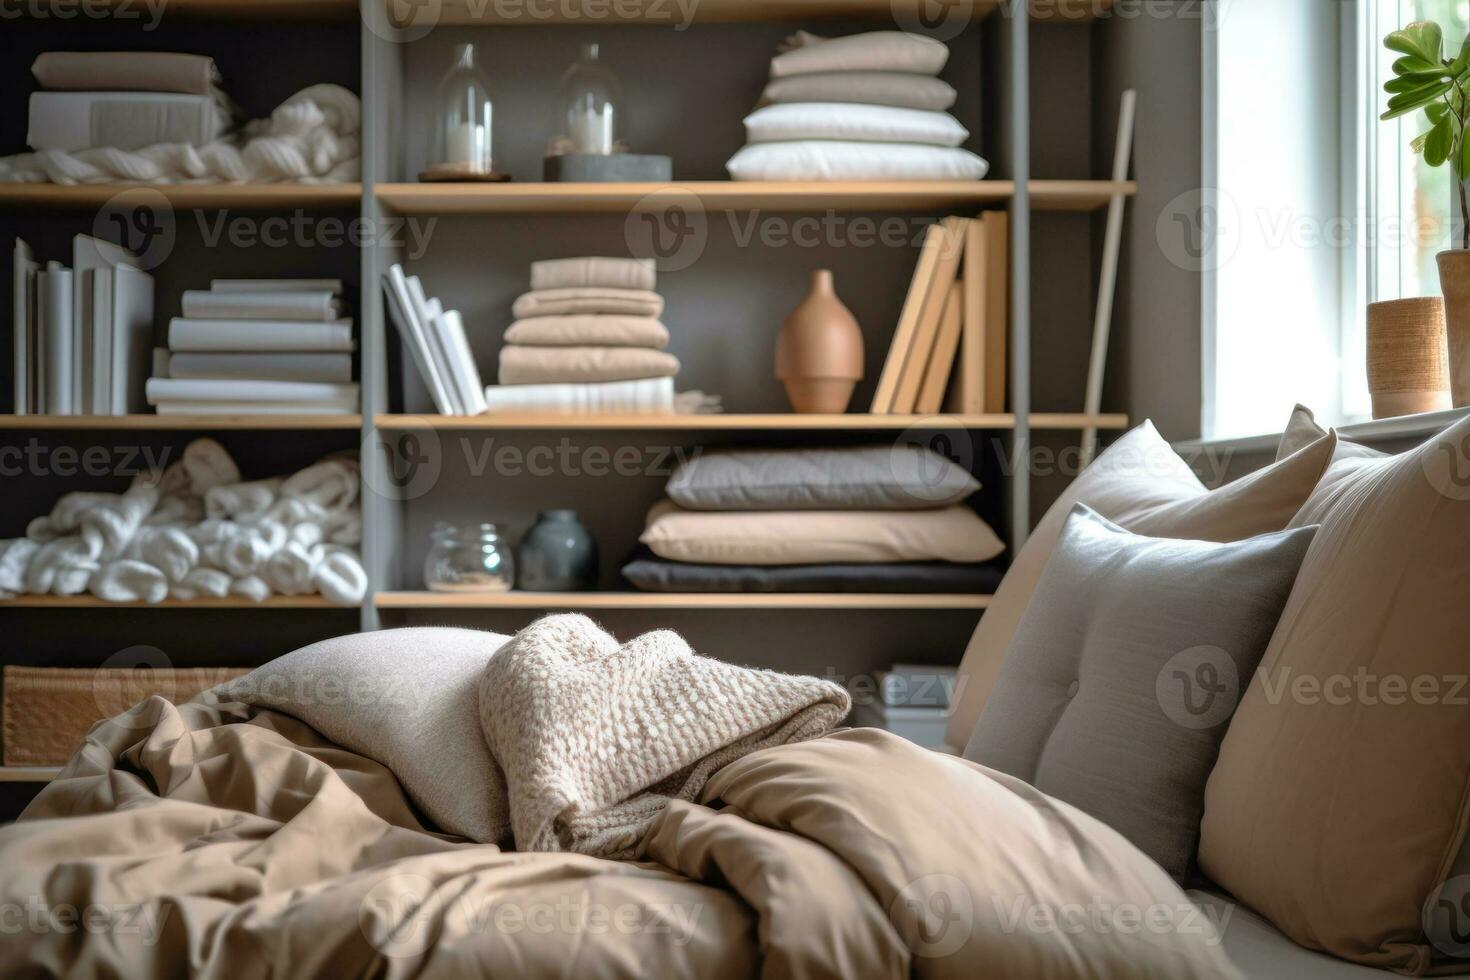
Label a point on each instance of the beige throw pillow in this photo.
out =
(1340, 797)
(1303, 430)
(597, 271)
(896, 51)
(588, 299)
(1142, 484)
(587, 330)
(807, 537)
(570, 365)
(864, 87)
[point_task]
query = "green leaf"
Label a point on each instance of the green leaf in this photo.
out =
(1436, 112)
(1398, 86)
(1462, 61)
(1407, 102)
(1441, 143)
(1417, 144)
(1462, 161)
(1422, 39)
(1419, 68)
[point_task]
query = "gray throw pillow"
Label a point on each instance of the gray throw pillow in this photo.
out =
(897, 477)
(1126, 668)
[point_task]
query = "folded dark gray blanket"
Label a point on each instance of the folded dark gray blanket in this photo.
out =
(652, 574)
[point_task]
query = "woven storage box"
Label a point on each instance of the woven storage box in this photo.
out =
(48, 710)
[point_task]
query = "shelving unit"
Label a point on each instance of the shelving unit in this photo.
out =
(676, 600)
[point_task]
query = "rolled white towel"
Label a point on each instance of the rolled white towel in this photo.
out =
(244, 503)
(291, 570)
(249, 548)
(110, 526)
(347, 530)
(251, 587)
(209, 465)
(15, 558)
(211, 531)
(66, 516)
(306, 534)
(202, 583)
(169, 549)
(62, 566)
(180, 510)
(129, 580)
(341, 578)
(331, 485)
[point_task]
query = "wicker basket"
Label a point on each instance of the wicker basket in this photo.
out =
(1408, 368)
(47, 710)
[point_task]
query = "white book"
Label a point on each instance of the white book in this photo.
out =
(88, 254)
(330, 368)
(202, 304)
(424, 310)
(131, 348)
(258, 335)
(55, 299)
(333, 286)
(468, 383)
(646, 396)
(23, 325)
(258, 408)
(402, 312)
(249, 392)
(922, 726)
(99, 311)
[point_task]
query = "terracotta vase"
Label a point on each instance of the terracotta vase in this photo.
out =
(1454, 282)
(1407, 370)
(819, 354)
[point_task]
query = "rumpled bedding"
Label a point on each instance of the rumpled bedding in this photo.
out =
(226, 840)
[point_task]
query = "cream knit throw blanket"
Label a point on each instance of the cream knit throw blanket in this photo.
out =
(595, 738)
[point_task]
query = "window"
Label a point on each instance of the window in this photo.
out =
(1321, 207)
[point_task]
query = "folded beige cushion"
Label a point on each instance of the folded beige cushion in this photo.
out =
(865, 87)
(1303, 430)
(1143, 485)
(593, 270)
(588, 299)
(895, 51)
(557, 365)
(807, 537)
(125, 71)
(588, 330)
(1339, 799)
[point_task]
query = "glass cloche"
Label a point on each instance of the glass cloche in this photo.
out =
(461, 146)
(591, 114)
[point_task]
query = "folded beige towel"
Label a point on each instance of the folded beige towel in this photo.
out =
(558, 365)
(589, 330)
(125, 71)
(592, 271)
(588, 299)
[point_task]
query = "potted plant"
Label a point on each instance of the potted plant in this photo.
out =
(1425, 79)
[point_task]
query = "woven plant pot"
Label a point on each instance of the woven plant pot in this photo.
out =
(1454, 282)
(1408, 369)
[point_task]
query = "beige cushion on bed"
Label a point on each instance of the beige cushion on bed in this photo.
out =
(569, 365)
(1337, 814)
(809, 537)
(588, 330)
(588, 299)
(1303, 430)
(1143, 485)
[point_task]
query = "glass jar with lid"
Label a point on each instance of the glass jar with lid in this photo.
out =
(469, 558)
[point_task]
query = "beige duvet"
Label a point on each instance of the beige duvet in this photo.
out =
(227, 841)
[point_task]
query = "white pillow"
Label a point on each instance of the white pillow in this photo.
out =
(839, 121)
(873, 51)
(867, 87)
(847, 160)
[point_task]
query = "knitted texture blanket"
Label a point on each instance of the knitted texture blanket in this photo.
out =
(595, 738)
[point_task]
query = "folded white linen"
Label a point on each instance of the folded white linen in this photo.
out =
(866, 87)
(318, 367)
(593, 270)
(846, 121)
(330, 486)
(62, 566)
(561, 365)
(333, 286)
(312, 306)
(257, 408)
(804, 53)
(70, 121)
(646, 396)
(588, 299)
(849, 160)
(107, 527)
(242, 502)
(131, 71)
(168, 549)
(589, 330)
(160, 390)
(129, 580)
(259, 335)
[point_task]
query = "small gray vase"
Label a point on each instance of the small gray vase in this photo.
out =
(557, 555)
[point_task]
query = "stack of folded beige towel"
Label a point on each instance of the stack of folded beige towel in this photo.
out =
(590, 322)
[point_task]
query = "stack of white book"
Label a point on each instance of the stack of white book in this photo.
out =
(912, 701)
(83, 335)
(258, 347)
(435, 339)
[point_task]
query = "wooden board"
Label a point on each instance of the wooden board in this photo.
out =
(921, 351)
(713, 423)
(671, 600)
(597, 13)
(182, 196)
(92, 602)
(997, 315)
(941, 361)
(174, 423)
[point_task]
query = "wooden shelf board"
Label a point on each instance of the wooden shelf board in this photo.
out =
(182, 196)
(670, 600)
(729, 195)
(134, 11)
(92, 602)
(671, 13)
(781, 422)
(138, 423)
(28, 774)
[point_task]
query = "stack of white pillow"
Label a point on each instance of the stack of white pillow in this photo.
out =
(863, 107)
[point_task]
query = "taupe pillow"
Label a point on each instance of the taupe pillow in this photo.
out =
(1143, 485)
(812, 537)
(588, 299)
(895, 51)
(1303, 430)
(569, 365)
(596, 271)
(1339, 801)
(587, 330)
(1125, 669)
(899, 477)
(867, 87)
